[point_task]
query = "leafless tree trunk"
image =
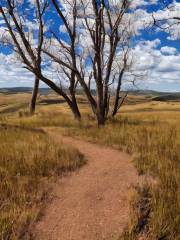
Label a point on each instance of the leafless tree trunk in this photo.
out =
(34, 96)
(118, 100)
(72, 91)
(117, 95)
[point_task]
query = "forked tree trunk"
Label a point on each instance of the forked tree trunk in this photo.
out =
(34, 96)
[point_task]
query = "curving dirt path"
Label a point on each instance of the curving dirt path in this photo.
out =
(91, 203)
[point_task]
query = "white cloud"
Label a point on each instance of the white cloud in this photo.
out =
(163, 66)
(168, 50)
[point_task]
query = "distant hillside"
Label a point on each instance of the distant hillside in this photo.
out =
(151, 93)
(157, 96)
(168, 97)
(148, 94)
(43, 91)
(15, 90)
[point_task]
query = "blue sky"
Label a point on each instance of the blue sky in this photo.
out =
(157, 53)
(168, 82)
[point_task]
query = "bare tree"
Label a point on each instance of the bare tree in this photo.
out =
(107, 34)
(16, 23)
(68, 51)
(97, 31)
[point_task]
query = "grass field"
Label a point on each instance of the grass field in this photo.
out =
(155, 144)
(29, 161)
(150, 131)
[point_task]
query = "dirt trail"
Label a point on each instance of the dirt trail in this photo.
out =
(91, 203)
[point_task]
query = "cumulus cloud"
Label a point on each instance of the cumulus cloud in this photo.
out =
(161, 63)
(12, 74)
(168, 50)
(162, 66)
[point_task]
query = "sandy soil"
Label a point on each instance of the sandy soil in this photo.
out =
(91, 203)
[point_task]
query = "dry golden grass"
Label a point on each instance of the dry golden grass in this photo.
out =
(154, 140)
(151, 132)
(155, 143)
(13, 102)
(28, 161)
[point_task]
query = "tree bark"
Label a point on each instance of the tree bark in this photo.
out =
(73, 105)
(116, 103)
(34, 96)
(75, 108)
(101, 119)
(100, 105)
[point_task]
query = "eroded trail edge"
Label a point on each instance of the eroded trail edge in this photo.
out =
(91, 203)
